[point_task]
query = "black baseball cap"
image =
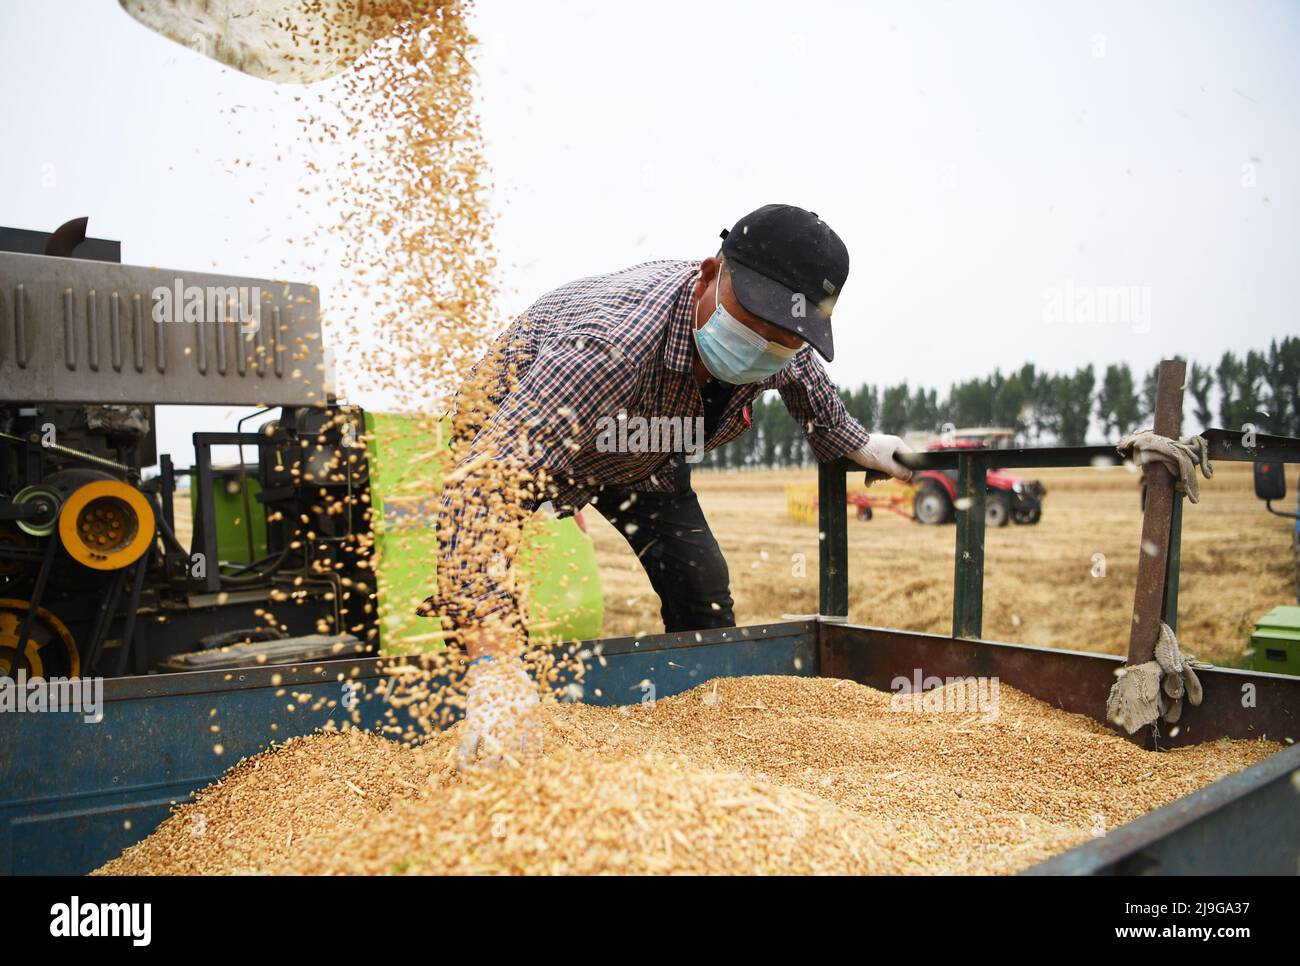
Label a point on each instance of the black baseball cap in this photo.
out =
(787, 268)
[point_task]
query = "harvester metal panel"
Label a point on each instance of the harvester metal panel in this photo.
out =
(1275, 644)
(74, 331)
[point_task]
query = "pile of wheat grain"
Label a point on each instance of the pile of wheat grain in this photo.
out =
(738, 776)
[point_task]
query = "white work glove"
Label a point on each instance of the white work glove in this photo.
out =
(878, 456)
(1177, 679)
(503, 721)
(1181, 456)
(1146, 692)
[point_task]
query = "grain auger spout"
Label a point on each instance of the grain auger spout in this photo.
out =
(278, 40)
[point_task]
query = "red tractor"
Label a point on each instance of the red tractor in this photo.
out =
(1009, 497)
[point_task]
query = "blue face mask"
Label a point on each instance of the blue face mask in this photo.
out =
(735, 353)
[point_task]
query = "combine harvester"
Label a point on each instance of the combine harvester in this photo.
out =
(94, 579)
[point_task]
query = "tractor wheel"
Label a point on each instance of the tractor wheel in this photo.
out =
(931, 505)
(997, 510)
(1027, 515)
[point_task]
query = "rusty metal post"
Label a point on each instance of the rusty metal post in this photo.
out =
(1157, 518)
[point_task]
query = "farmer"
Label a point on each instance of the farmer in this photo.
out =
(676, 350)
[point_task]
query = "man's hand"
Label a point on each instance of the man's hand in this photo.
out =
(503, 721)
(878, 456)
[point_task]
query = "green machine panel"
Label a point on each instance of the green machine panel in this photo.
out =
(237, 514)
(562, 596)
(1275, 644)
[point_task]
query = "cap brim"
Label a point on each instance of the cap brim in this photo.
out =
(783, 307)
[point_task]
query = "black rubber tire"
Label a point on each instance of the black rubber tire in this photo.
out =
(997, 510)
(931, 505)
(1028, 516)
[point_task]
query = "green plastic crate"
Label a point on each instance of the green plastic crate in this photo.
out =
(1275, 644)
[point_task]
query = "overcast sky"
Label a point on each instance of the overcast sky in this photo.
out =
(988, 164)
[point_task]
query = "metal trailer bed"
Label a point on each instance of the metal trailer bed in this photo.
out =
(74, 794)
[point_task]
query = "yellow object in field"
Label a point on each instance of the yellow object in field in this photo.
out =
(893, 495)
(890, 494)
(801, 502)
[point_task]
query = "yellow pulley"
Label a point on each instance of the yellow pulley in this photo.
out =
(106, 525)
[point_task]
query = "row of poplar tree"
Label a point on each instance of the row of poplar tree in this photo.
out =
(1261, 388)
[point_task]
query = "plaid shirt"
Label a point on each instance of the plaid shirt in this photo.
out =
(587, 353)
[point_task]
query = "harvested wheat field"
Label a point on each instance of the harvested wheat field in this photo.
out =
(1043, 584)
(738, 776)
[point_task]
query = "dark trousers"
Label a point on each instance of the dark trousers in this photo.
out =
(670, 536)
